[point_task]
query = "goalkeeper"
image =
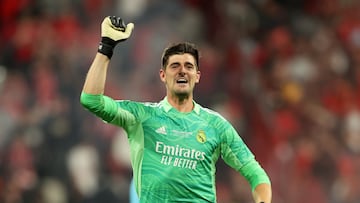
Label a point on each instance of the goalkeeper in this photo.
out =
(175, 142)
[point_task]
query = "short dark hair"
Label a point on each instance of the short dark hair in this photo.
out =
(180, 48)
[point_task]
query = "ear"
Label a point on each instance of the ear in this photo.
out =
(198, 74)
(162, 75)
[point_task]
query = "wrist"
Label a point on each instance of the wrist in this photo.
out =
(107, 46)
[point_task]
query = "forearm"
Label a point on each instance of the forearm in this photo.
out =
(96, 76)
(262, 193)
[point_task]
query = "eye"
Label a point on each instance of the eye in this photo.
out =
(189, 66)
(174, 65)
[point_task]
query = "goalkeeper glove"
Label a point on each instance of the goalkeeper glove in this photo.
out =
(113, 31)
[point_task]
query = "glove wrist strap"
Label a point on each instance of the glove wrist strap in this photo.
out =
(107, 46)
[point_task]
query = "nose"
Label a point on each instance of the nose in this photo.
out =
(182, 70)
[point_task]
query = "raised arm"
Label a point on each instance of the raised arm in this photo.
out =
(113, 31)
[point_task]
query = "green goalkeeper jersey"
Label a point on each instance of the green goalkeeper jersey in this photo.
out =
(173, 154)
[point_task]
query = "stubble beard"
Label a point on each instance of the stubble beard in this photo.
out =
(182, 95)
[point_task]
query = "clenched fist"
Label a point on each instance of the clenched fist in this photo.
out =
(113, 31)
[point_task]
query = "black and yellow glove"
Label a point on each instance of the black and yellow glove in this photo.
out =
(113, 31)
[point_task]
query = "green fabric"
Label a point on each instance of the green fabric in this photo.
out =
(254, 173)
(174, 154)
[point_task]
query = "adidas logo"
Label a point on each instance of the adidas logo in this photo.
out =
(161, 130)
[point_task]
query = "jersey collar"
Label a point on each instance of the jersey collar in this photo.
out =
(167, 106)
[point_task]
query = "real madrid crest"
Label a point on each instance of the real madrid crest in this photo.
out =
(201, 136)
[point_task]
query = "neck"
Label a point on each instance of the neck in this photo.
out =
(182, 103)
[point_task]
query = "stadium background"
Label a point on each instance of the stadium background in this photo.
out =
(285, 73)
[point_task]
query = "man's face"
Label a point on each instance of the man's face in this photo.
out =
(180, 74)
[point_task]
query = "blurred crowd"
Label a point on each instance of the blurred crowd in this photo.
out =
(285, 73)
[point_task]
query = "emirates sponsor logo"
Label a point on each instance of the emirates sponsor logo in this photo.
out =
(178, 156)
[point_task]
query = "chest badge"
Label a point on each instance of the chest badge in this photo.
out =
(201, 136)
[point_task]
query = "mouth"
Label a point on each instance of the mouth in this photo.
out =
(182, 81)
